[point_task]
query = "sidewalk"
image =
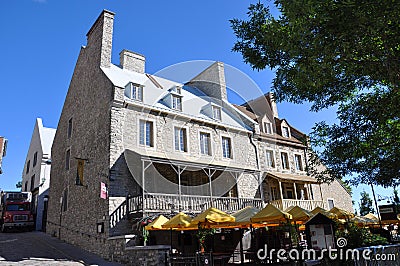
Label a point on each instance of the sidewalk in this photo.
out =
(37, 248)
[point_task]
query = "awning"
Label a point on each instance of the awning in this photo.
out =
(271, 214)
(324, 212)
(299, 214)
(212, 216)
(341, 214)
(181, 221)
(157, 223)
(290, 177)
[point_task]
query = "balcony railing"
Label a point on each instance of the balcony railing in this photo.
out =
(309, 205)
(157, 202)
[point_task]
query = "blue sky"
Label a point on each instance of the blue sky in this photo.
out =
(41, 40)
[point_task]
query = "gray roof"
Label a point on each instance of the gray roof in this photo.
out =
(193, 100)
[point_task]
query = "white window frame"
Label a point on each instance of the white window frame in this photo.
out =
(288, 162)
(216, 112)
(327, 203)
(268, 125)
(186, 148)
(152, 133)
(230, 146)
(301, 162)
(209, 143)
(178, 104)
(272, 158)
(285, 125)
(135, 91)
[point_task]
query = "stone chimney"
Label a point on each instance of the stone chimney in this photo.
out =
(273, 104)
(99, 39)
(132, 61)
(211, 81)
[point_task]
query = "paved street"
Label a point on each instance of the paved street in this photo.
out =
(37, 248)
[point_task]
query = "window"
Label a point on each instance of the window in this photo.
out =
(32, 182)
(331, 204)
(69, 132)
(146, 133)
(268, 127)
(18, 207)
(298, 162)
(285, 131)
(34, 159)
(134, 91)
(28, 165)
(177, 102)
(216, 112)
(289, 194)
(205, 145)
(178, 89)
(180, 139)
(65, 200)
(26, 186)
(269, 157)
(226, 147)
(67, 159)
(285, 160)
(274, 193)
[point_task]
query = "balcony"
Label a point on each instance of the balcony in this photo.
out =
(161, 203)
(309, 205)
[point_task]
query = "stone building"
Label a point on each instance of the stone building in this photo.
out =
(36, 172)
(3, 149)
(131, 145)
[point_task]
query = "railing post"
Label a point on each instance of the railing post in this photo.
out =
(127, 203)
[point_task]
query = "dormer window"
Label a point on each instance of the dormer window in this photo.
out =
(134, 91)
(285, 132)
(268, 127)
(216, 111)
(177, 102)
(178, 89)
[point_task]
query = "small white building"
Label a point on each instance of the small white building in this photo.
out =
(36, 172)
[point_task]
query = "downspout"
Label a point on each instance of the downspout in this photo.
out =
(251, 135)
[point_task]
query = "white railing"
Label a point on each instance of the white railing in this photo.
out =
(157, 202)
(305, 204)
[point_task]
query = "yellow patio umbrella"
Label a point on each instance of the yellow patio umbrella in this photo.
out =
(372, 217)
(299, 214)
(362, 220)
(271, 214)
(341, 214)
(243, 216)
(324, 212)
(213, 216)
(181, 221)
(157, 223)
(242, 219)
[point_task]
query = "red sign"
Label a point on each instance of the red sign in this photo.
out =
(103, 191)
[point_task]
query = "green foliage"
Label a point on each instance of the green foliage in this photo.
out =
(357, 236)
(366, 204)
(335, 53)
(396, 200)
(203, 233)
(19, 184)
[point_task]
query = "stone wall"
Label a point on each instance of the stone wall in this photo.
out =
(335, 191)
(88, 104)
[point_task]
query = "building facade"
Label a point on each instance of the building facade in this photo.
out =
(131, 145)
(3, 150)
(36, 172)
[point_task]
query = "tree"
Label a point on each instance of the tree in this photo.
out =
(336, 53)
(19, 184)
(366, 204)
(396, 200)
